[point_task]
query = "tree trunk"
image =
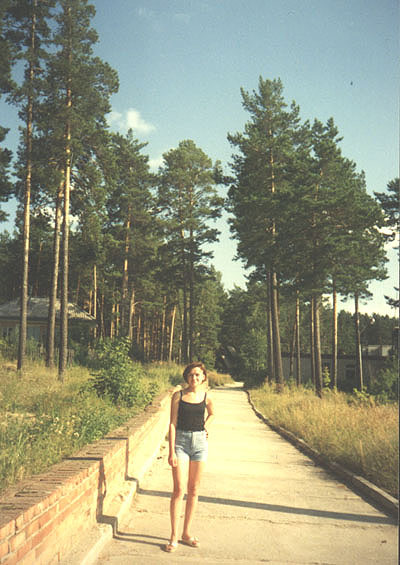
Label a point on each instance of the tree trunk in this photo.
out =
(125, 268)
(112, 321)
(191, 291)
(185, 327)
(62, 364)
(274, 294)
(171, 335)
(292, 347)
(65, 268)
(95, 291)
(78, 289)
(359, 366)
(163, 329)
(139, 328)
(131, 314)
(185, 340)
(270, 345)
(317, 346)
(36, 286)
(117, 319)
(312, 344)
(51, 320)
(27, 201)
(298, 351)
(102, 326)
(276, 334)
(334, 337)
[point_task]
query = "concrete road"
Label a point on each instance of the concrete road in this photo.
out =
(262, 501)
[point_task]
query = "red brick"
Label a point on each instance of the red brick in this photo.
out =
(32, 528)
(19, 522)
(22, 551)
(17, 540)
(47, 516)
(12, 560)
(7, 529)
(3, 548)
(29, 559)
(34, 510)
(41, 535)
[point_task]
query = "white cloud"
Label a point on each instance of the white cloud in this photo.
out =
(156, 163)
(114, 118)
(131, 119)
(135, 121)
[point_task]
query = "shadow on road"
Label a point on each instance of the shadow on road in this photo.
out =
(285, 509)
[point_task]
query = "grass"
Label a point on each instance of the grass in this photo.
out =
(361, 436)
(43, 420)
(218, 379)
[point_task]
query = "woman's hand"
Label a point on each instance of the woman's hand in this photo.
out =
(173, 460)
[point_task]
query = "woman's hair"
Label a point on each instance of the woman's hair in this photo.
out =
(193, 366)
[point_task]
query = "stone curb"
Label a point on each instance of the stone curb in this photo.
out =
(374, 494)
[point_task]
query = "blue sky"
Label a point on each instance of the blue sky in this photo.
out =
(181, 65)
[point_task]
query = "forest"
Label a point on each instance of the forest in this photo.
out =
(97, 227)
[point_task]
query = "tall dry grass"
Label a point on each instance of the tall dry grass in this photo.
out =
(359, 435)
(43, 420)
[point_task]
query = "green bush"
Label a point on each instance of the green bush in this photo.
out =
(119, 378)
(386, 386)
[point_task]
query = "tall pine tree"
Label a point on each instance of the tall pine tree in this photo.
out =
(79, 87)
(189, 200)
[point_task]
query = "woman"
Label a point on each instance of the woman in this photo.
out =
(191, 413)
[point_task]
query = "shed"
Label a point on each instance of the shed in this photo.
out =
(37, 314)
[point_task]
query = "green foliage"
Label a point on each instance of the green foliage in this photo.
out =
(9, 348)
(326, 379)
(118, 378)
(386, 385)
(188, 200)
(245, 329)
(42, 420)
(210, 299)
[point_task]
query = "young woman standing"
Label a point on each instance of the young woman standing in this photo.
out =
(191, 413)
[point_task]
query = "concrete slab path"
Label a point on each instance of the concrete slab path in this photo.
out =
(262, 501)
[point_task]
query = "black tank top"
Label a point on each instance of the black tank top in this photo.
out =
(191, 416)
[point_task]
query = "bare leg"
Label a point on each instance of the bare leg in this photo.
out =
(195, 473)
(176, 500)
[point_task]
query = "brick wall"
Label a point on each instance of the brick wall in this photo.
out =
(42, 518)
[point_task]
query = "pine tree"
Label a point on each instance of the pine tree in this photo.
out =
(78, 89)
(130, 220)
(188, 200)
(267, 148)
(390, 202)
(5, 86)
(28, 30)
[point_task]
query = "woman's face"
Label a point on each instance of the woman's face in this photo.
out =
(196, 376)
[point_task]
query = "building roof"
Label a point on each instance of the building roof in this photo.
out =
(38, 311)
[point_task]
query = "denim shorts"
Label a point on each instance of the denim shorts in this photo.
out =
(191, 445)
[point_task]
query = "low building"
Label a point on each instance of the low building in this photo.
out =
(374, 359)
(37, 315)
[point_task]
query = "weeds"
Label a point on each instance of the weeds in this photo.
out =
(352, 431)
(42, 420)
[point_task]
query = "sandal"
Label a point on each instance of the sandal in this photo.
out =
(191, 542)
(171, 546)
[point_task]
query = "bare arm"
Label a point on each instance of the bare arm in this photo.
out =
(172, 429)
(210, 413)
